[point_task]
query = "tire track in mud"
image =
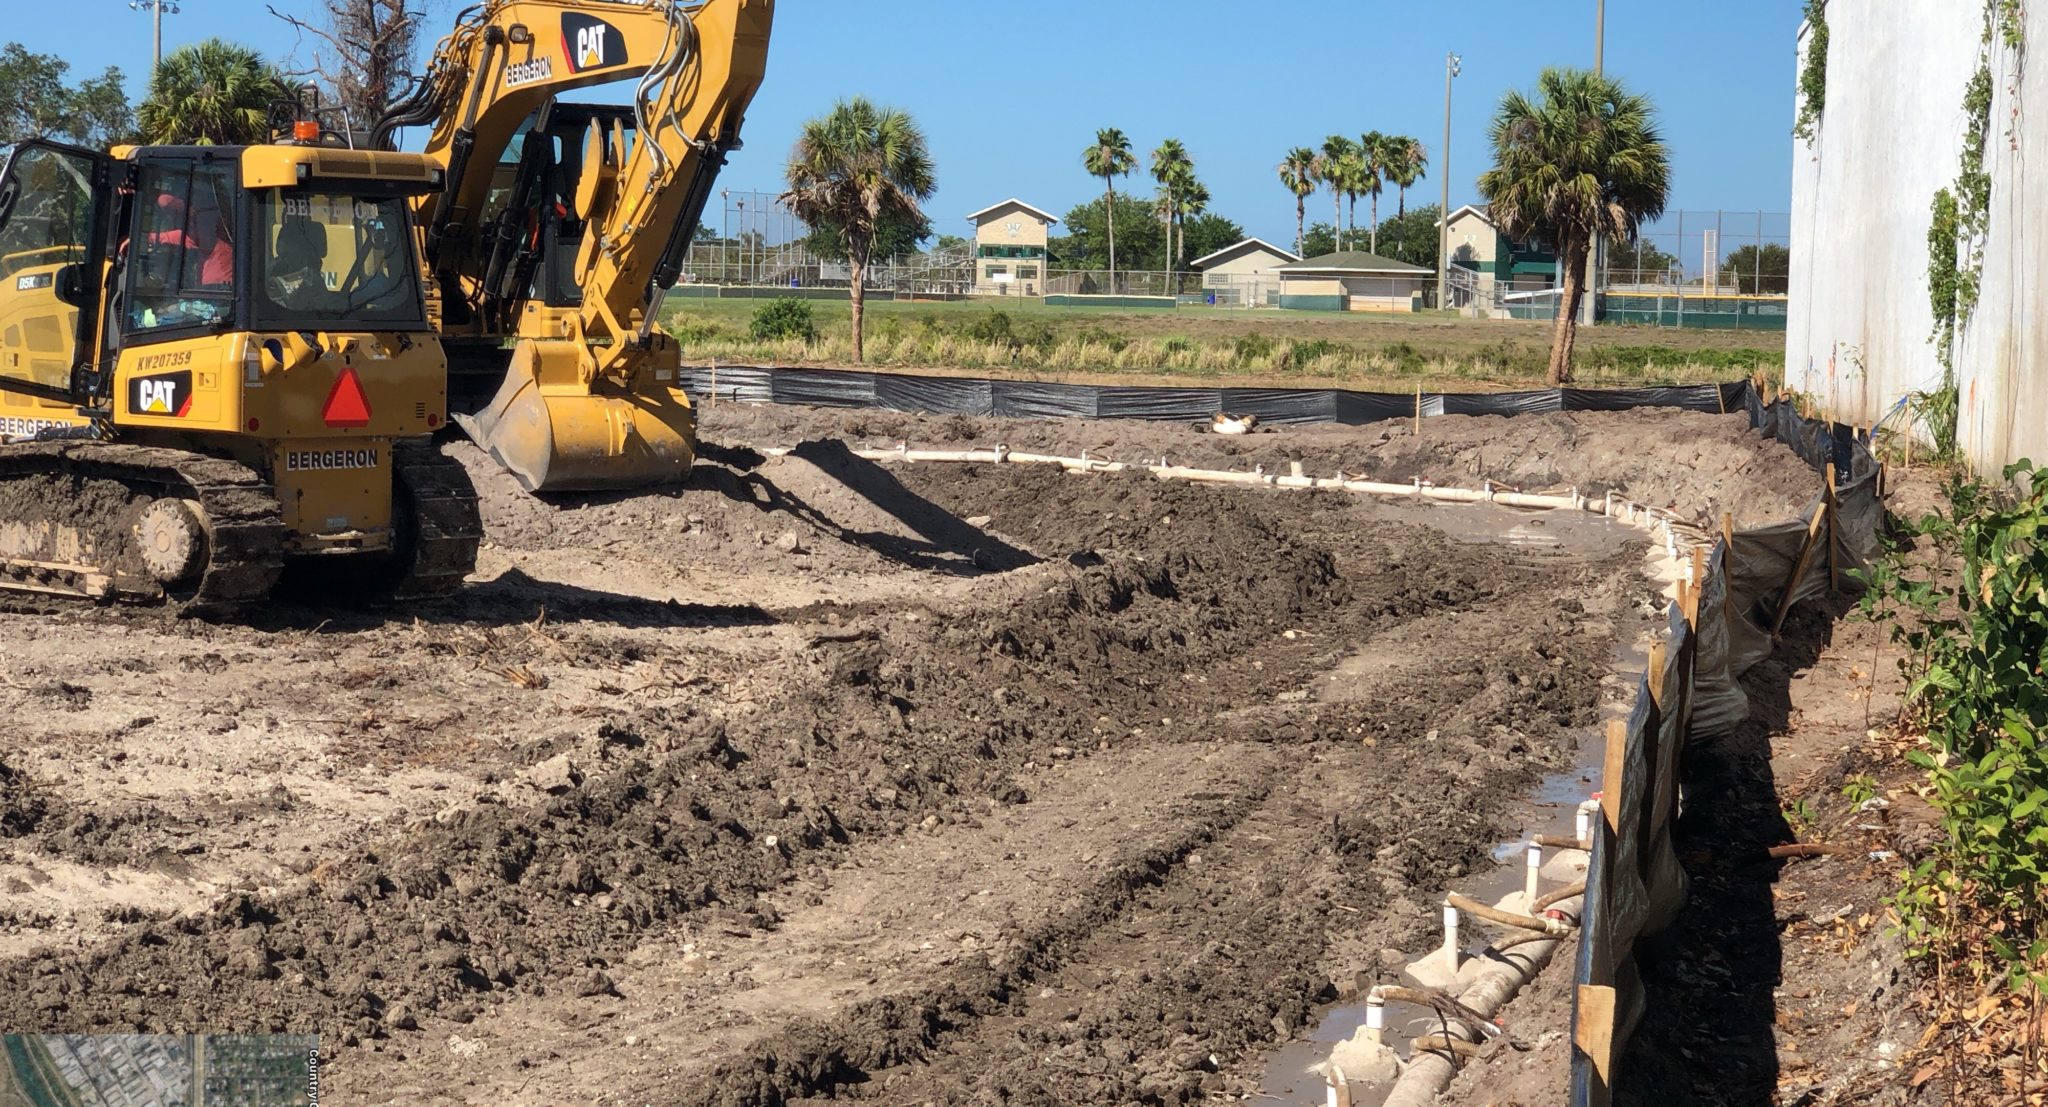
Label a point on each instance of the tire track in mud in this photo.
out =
(908, 939)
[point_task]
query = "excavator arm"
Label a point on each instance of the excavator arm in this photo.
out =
(589, 399)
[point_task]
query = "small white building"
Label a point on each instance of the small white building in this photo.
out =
(1009, 249)
(1244, 275)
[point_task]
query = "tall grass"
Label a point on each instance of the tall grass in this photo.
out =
(996, 342)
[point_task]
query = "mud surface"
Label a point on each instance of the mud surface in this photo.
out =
(811, 779)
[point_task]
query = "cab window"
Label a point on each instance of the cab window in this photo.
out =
(331, 257)
(181, 260)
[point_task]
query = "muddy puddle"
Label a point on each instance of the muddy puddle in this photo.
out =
(1293, 1074)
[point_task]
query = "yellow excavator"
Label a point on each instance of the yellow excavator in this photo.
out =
(564, 225)
(215, 360)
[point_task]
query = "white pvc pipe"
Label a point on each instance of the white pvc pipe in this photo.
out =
(1532, 879)
(1428, 1073)
(1375, 1016)
(1452, 954)
(1587, 810)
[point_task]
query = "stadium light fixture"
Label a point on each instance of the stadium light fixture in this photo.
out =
(157, 9)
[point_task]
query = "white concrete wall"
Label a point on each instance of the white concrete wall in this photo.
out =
(1859, 323)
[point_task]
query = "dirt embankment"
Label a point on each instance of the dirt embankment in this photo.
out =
(1685, 460)
(812, 778)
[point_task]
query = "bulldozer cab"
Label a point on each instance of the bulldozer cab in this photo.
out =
(55, 211)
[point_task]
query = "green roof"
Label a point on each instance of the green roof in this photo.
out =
(1352, 261)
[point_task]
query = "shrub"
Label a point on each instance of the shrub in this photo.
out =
(991, 329)
(787, 317)
(1097, 336)
(1303, 353)
(1254, 347)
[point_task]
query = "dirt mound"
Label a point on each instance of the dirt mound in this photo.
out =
(1691, 461)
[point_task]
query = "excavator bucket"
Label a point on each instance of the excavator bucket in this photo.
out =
(555, 433)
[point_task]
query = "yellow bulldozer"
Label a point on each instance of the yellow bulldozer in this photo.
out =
(216, 359)
(563, 225)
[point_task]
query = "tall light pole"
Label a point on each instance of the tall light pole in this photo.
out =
(156, 8)
(1596, 260)
(1453, 65)
(1599, 35)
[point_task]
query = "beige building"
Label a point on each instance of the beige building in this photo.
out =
(1493, 267)
(1244, 275)
(1009, 249)
(1353, 281)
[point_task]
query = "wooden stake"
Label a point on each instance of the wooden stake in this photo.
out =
(1613, 766)
(1656, 673)
(1728, 535)
(1834, 583)
(1813, 530)
(1418, 409)
(1720, 401)
(1594, 1033)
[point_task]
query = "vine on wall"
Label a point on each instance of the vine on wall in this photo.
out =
(1813, 75)
(1960, 220)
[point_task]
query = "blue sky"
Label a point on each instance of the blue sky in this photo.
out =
(1010, 116)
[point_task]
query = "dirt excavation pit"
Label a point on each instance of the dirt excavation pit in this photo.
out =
(821, 778)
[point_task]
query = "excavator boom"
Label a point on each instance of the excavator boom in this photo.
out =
(604, 217)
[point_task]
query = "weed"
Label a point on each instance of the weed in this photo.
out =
(1254, 347)
(1859, 790)
(1801, 817)
(1975, 641)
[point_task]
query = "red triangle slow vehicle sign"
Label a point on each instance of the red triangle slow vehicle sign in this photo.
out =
(347, 405)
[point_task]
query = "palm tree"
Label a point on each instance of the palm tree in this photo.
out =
(211, 93)
(1409, 163)
(1168, 164)
(1190, 198)
(858, 169)
(1334, 167)
(1582, 160)
(1109, 159)
(1298, 171)
(1377, 150)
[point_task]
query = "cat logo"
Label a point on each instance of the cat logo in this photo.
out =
(591, 43)
(167, 394)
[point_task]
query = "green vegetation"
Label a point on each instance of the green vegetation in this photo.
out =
(1813, 72)
(860, 169)
(1025, 337)
(1411, 237)
(1110, 157)
(35, 102)
(780, 319)
(1958, 222)
(35, 1074)
(211, 93)
(1299, 174)
(1975, 624)
(1581, 160)
(1759, 269)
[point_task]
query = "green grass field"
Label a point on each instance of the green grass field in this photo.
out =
(1264, 347)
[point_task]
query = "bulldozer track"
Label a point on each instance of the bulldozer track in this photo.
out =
(447, 523)
(244, 532)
